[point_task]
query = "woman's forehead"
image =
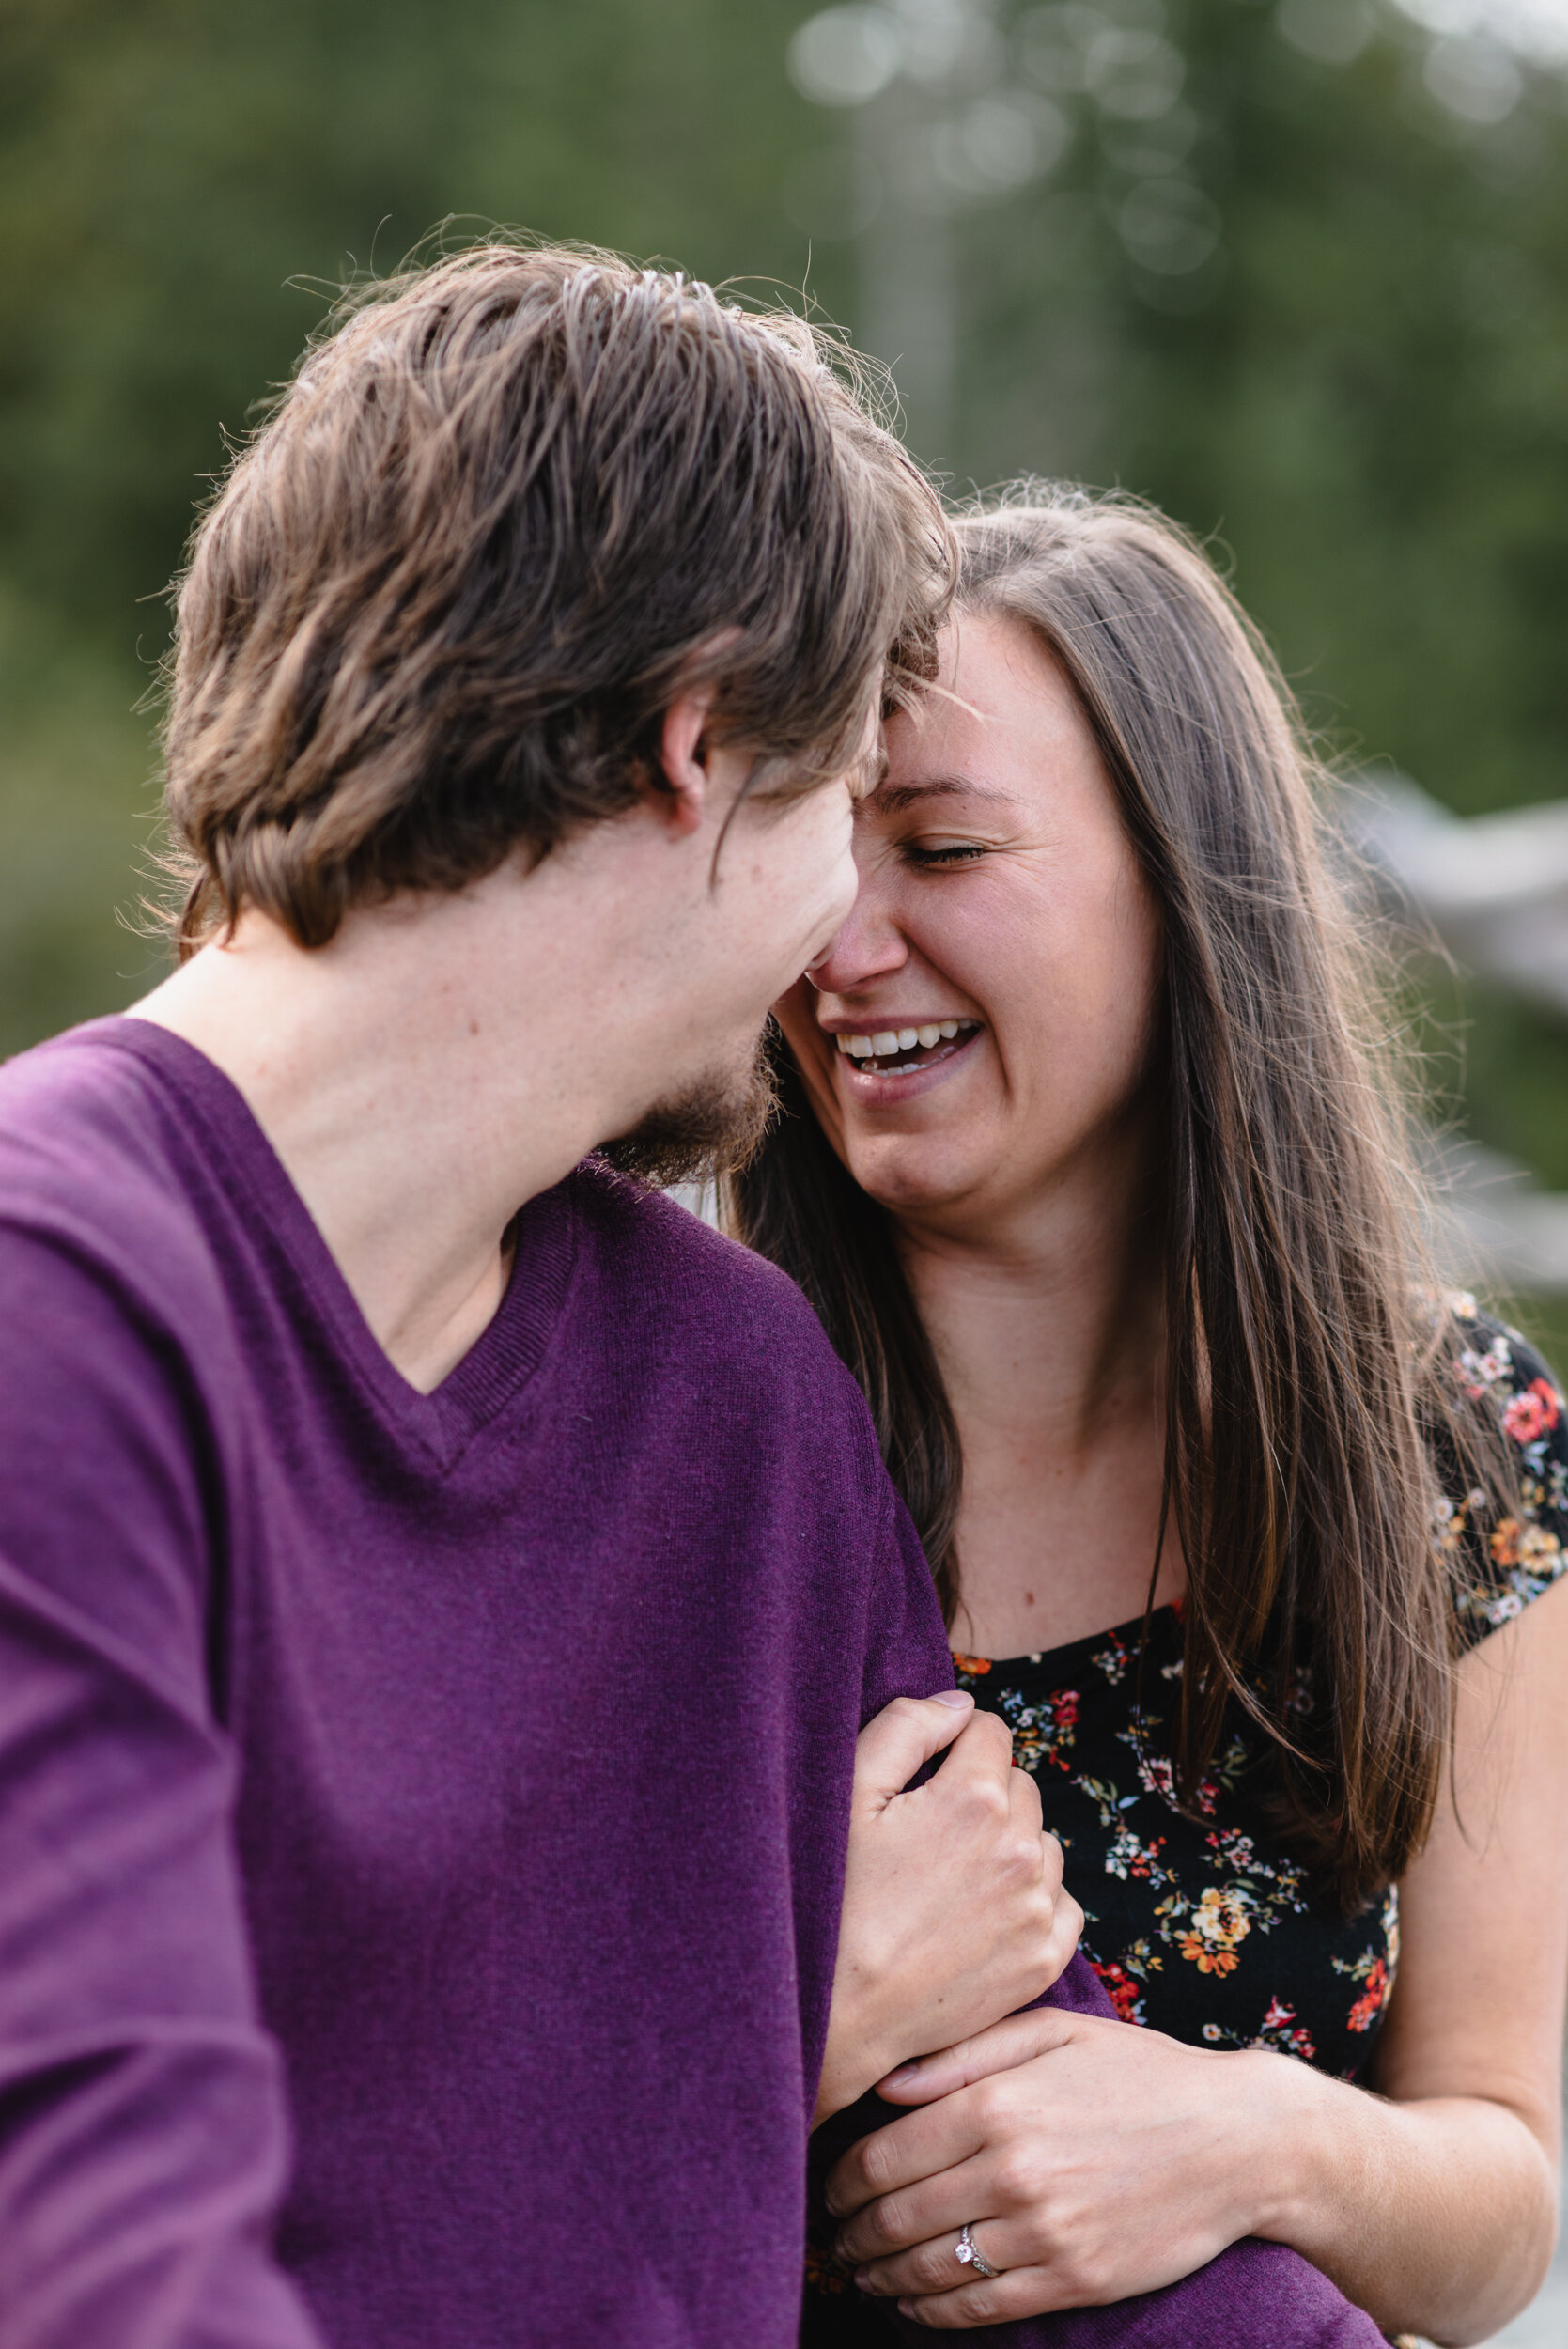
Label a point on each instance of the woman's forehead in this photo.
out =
(1001, 723)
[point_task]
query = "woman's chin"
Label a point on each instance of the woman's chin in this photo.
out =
(911, 1175)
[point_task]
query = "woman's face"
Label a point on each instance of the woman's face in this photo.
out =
(977, 1034)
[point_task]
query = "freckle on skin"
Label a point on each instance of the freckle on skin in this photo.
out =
(1029, 1598)
(473, 1027)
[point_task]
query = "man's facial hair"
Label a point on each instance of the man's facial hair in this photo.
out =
(714, 1128)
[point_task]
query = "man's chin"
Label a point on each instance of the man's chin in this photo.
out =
(714, 1128)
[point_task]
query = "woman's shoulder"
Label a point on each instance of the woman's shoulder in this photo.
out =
(1505, 1546)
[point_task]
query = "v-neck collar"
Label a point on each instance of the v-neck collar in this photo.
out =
(508, 1349)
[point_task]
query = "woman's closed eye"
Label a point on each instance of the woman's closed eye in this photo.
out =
(929, 856)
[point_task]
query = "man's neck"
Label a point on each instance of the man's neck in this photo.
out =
(448, 1057)
(411, 1126)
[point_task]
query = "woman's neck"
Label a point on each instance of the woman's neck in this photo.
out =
(1049, 1328)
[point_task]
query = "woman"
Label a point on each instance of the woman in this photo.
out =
(1094, 1175)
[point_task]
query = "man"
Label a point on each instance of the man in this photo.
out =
(438, 1591)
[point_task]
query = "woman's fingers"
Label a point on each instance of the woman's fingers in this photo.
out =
(1023, 1797)
(1016, 2039)
(934, 2265)
(903, 1737)
(1023, 2291)
(980, 1765)
(924, 2145)
(1066, 1927)
(899, 2222)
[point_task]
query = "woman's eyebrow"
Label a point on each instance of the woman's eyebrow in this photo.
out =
(892, 799)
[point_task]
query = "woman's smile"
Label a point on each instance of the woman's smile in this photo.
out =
(888, 1064)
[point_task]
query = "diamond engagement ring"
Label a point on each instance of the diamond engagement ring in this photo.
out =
(968, 2254)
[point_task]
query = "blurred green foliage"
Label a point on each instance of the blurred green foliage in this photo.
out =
(1365, 396)
(167, 167)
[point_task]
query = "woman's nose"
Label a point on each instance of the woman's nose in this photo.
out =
(868, 946)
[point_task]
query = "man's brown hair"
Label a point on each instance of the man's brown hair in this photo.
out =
(509, 505)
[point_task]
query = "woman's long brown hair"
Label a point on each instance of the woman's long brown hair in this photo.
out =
(1308, 1379)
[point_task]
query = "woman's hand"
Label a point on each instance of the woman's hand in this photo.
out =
(954, 1913)
(1093, 2160)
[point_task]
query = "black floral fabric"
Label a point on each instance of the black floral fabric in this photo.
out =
(1199, 1922)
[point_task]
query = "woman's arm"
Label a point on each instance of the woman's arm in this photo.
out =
(1103, 2160)
(954, 1913)
(1466, 2153)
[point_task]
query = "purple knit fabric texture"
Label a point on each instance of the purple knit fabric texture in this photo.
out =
(422, 1817)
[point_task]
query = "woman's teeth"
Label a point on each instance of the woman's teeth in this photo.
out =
(887, 1041)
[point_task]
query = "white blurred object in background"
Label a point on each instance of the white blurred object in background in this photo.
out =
(1495, 890)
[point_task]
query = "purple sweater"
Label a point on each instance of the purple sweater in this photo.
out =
(422, 1817)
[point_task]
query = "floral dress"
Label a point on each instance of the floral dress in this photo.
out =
(1199, 1923)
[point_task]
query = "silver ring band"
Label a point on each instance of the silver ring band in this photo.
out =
(967, 2254)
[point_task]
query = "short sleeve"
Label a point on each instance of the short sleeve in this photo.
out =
(1502, 1557)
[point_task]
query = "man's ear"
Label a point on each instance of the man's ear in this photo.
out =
(681, 797)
